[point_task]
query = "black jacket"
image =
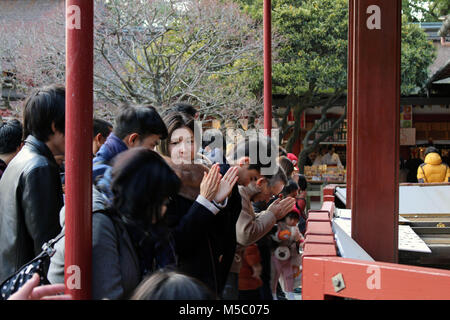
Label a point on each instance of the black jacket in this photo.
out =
(205, 243)
(2, 167)
(189, 223)
(30, 199)
(225, 232)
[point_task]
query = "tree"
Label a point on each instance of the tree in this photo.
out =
(171, 51)
(311, 69)
(425, 10)
(158, 52)
(33, 51)
(416, 55)
(311, 62)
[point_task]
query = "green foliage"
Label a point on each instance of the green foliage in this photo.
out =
(312, 44)
(416, 55)
(312, 52)
(200, 52)
(425, 10)
(311, 55)
(254, 8)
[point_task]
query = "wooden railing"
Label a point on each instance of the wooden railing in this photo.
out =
(326, 275)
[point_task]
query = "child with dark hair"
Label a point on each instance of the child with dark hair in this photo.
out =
(290, 189)
(286, 259)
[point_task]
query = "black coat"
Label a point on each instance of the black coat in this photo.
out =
(205, 243)
(30, 199)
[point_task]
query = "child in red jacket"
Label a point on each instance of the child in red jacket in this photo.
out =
(249, 276)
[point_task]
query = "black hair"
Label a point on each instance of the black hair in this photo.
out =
(302, 182)
(143, 120)
(292, 215)
(431, 150)
(172, 285)
(282, 151)
(101, 126)
(290, 186)
(181, 107)
(10, 136)
(141, 182)
(42, 108)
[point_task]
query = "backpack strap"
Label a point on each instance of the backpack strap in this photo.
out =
(48, 246)
(52, 242)
(424, 176)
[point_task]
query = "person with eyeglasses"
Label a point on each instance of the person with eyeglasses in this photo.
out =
(270, 181)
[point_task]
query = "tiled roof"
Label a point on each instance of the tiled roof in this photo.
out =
(440, 68)
(441, 63)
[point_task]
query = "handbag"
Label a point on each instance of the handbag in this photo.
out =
(38, 265)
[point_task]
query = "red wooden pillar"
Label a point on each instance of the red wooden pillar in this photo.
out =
(375, 127)
(79, 112)
(267, 21)
(351, 33)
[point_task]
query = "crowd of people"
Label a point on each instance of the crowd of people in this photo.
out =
(171, 218)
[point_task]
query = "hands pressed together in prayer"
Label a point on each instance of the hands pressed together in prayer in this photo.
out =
(280, 208)
(218, 188)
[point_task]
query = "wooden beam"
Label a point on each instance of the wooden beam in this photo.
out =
(366, 280)
(375, 127)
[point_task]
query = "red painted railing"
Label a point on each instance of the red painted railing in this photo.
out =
(326, 275)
